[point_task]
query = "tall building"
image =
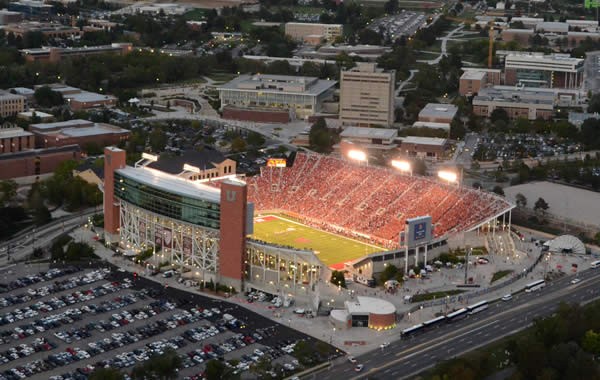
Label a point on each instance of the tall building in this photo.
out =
(11, 104)
(367, 95)
(313, 33)
(539, 70)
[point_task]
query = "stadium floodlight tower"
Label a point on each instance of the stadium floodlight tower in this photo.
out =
(403, 166)
(449, 176)
(358, 155)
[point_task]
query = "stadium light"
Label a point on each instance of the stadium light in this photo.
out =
(403, 166)
(357, 155)
(448, 176)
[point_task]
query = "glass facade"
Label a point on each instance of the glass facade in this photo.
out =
(180, 207)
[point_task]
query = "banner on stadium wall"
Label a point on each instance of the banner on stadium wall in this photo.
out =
(277, 162)
(187, 245)
(168, 237)
(158, 236)
(402, 239)
(142, 230)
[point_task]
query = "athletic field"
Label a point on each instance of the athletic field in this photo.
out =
(333, 250)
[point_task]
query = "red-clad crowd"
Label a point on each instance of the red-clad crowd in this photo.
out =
(334, 194)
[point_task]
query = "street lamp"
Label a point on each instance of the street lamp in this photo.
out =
(448, 176)
(358, 155)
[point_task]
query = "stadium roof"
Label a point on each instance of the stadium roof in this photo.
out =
(373, 133)
(204, 159)
(370, 305)
(172, 184)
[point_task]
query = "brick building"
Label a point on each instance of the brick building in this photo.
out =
(81, 132)
(14, 139)
(36, 161)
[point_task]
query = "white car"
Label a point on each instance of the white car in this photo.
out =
(359, 367)
(507, 297)
(299, 311)
(575, 281)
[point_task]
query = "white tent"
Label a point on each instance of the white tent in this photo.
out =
(566, 244)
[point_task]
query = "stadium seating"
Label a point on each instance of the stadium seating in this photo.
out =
(360, 201)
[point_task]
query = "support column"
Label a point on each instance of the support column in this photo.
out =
(406, 260)
(509, 218)
(417, 255)
(425, 261)
(503, 221)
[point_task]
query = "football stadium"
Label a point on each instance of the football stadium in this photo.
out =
(284, 229)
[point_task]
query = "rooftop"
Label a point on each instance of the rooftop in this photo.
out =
(279, 83)
(473, 75)
(6, 133)
(86, 96)
(370, 305)
(62, 124)
(373, 133)
(203, 160)
(430, 124)
(424, 140)
(439, 110)
(550, 26)
(95, 130)
(172, 184)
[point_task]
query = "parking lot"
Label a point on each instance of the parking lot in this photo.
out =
(63, 323)
(405, 23)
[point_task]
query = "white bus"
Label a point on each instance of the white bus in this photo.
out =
(479, 306)
(595, 264)
(536, 285)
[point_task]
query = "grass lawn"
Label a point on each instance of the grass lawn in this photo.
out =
(435, 295)
(498, 275)
(221, 77)
(330, 249)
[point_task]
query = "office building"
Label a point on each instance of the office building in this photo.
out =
(521, 103)
(77, 131)
(55, 54)
(35, 162)
(49, 30)
(313, 33)
(274, 98)
(367, 95)
(11, 104)
(14, 139)
(32, 9)
(540, 70)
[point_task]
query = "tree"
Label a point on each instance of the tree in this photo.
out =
(106, 374)
(157, 139)
(499, 114)
(165, 366)
(45, 97)
(597, 238)
(541, 205)
(217, 370)
(337, 278)
(238, 144)
(391, 6)
(591, 342)
(498, 190)
(319, 137)
(8, 190)
(520, 200)
(255, 139)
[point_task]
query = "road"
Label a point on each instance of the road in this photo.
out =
(22, 245)
(407, 358)
(405, 82)
(444, 40)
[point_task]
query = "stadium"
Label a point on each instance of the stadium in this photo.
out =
(284, 229)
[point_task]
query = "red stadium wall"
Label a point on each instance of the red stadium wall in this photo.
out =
(114, 159)
(377, 321)
(259, 116)
(232, 243)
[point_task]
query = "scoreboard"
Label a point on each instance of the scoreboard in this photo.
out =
(277, 162)
(418, 231)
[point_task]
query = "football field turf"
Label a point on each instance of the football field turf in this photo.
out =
(332, 250)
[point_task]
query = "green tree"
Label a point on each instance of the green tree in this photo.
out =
(45, 97)
(165, 366)
(520, 200)
(337, 278)
(597, 238)
(238, 144)
(391, 6)
(498, 190)
(157, 139)
(320, 138)
(217, 370)
(541, 205)
(390, 272)
(106, 374)
(591, 342)
(255, 139)
(8, 190)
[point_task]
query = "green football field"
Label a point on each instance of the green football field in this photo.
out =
(332, 250)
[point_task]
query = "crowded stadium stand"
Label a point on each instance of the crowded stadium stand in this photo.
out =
(368, 202)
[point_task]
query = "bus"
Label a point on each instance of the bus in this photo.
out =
(479, 306)
(411, 331)
(434, 322)
(456, 315)
(595, 264)
(536, 285)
